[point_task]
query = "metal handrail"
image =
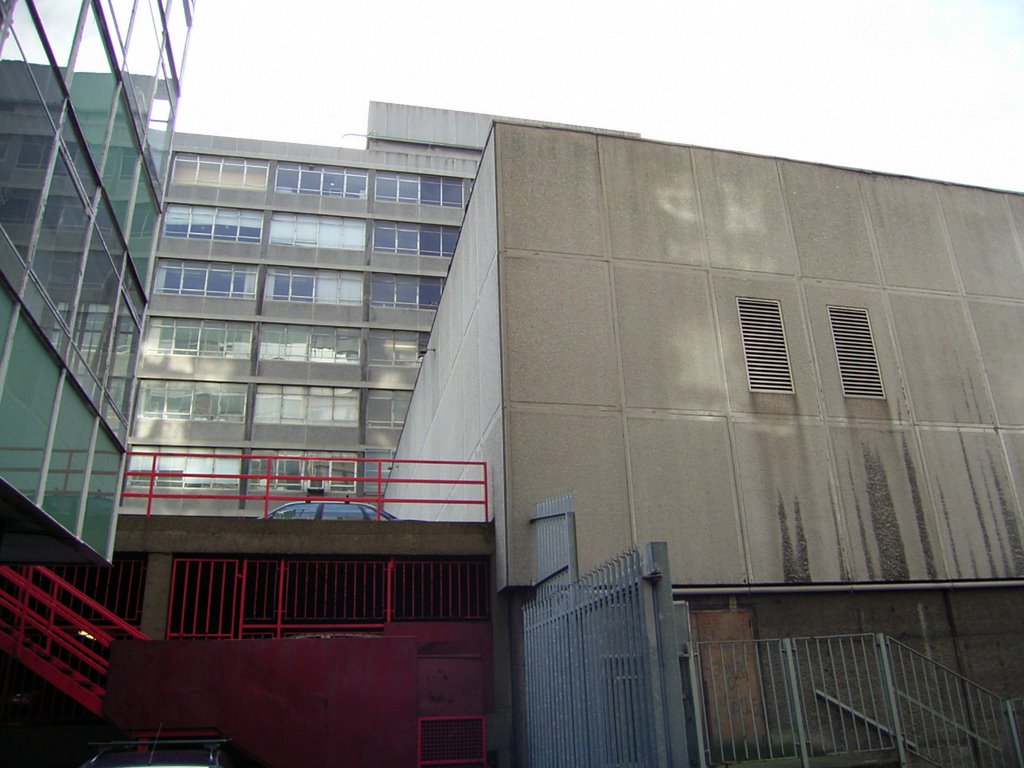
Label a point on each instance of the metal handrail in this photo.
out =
(375, 480)
(53, 613)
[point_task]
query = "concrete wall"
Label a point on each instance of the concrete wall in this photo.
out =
(456, 408)
(973, 631)
(625, 380)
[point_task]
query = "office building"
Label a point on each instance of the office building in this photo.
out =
(294, 289)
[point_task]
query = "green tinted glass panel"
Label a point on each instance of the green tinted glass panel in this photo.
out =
(140, 240)
(119, 169)
(65, 479)
(25, 144)
(29, 393)
(92, 87)
(99, 507)
(6, 306)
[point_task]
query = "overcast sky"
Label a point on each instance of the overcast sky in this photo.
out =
(930, 88)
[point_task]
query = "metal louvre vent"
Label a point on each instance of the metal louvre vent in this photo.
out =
(855, 352)
(451, 741)
(764, 345)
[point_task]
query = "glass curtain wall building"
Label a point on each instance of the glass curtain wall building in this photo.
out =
(88, 94)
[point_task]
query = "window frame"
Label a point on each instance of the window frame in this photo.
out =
(204, 327)
(214, 166)
(349, 185)
(319, 286)
(176, 391)
(409, 188)
(244, 273)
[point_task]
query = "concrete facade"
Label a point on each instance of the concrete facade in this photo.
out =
(359, 350)
(589, 342)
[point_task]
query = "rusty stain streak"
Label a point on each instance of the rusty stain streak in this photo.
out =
(885, 524)
(922, 525)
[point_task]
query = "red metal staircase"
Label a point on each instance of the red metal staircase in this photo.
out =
(59, 633)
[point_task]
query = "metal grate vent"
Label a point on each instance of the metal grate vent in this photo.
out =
(855, 352)
(764, 345)
(447, 741)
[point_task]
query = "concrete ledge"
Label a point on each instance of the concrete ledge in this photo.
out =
(221, 535)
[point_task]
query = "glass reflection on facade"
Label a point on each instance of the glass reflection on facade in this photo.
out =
(88, 95)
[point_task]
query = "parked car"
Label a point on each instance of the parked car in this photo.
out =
(174, 752)
(328, 510)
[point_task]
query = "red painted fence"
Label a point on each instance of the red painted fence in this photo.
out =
(59, 632)
(269, 480)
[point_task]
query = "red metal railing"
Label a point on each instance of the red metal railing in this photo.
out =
(227, 598)
(59, 632)
(367, 483)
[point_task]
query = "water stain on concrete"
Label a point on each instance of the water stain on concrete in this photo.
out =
(958, 572)
(796, 566)
(919, 516)
(979, 513)
(869, 561)
(884, 523)
(1013, 534)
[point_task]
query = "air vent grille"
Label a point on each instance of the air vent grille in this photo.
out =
(764, 345)
(855, 352)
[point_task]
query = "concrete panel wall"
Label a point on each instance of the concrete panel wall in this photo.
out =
(456, 408)
(623, 377)
(813, 486)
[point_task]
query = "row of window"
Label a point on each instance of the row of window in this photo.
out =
(766, 351)
(302, 343)
(326, 181)
(273, 403)
(316, 286)
(234, 225)
(220, 467)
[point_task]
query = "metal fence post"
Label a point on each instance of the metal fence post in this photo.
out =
(793, 686)
(891, 695)
(1012, 725)
(693, 695)
(667, 682)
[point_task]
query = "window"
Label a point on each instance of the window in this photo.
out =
(318, 286)
(316, 180)
(424, 190)
(386, 408)
(337, 465)
(309, 344)
(335, 406)
(764, 345)
(188, 471)
(414, 239)
(386, 347)
(405, 291)
(211, 279)
(192, 400)
(200, 223)
(202, 338)
(234, 172)
(855, 352)
(317, 231)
